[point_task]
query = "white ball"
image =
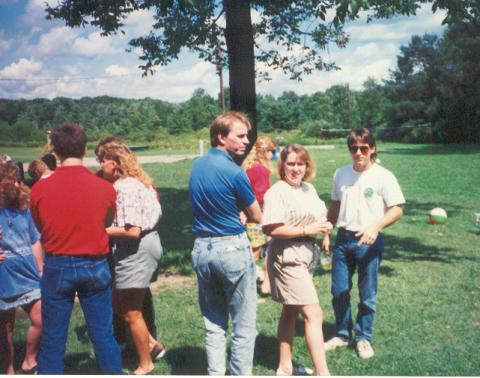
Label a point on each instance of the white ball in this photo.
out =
(437, 216)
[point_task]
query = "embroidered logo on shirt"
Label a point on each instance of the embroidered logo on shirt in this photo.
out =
(368, 192)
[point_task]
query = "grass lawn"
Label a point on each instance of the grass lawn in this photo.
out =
(428, 311)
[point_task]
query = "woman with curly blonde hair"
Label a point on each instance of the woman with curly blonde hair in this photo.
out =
(258, 167)
(136, 244)
(21, 263)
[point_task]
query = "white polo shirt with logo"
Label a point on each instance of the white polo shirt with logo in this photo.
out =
(364, 196)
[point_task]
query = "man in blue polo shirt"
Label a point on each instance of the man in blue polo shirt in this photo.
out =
(221, 256)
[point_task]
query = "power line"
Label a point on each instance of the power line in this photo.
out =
(64, 78)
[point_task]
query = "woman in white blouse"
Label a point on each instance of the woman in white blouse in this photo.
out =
(136, 244)
(293, 215)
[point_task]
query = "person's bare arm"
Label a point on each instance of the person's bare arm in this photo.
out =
(124, 232)
(332, 216)
(38, 255)
(283, 231)
(253, 213)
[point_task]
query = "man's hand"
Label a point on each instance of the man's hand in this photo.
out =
(368, 236)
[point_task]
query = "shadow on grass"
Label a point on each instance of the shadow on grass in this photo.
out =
(176, 229)
(81, 363)
(266, 351)
(187, 360)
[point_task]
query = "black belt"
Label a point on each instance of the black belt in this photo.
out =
(208, 235)
(82, 256)
(348, 232)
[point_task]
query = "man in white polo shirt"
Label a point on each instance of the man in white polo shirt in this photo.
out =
(366, 198)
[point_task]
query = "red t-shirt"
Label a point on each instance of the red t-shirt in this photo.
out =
(71, 208)
(259, 177)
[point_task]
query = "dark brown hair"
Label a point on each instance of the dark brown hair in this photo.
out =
(69, 140)
(362, 136)
(13, 194)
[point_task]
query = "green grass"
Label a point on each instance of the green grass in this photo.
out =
(428, 319)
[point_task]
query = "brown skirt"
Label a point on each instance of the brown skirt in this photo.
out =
(290, 269)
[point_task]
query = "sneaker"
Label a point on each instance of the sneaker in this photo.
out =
(334, 343)
(364, 349)
(297, 370)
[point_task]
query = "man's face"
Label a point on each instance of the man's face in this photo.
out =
(236, 142)
(361, 155)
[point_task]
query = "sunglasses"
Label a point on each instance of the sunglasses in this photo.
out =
(363, 149)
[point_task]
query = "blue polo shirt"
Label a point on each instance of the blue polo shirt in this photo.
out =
(219, 189)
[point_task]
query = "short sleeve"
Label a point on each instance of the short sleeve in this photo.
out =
(336, 194)
(392, 193)
(245, 195)
(129, 204)
(273, 210)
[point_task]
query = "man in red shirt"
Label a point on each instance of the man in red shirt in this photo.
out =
(71, 208)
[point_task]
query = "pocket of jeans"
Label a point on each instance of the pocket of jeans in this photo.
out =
(99, 276)
(195, 255)
(236, 258)
(52, 278)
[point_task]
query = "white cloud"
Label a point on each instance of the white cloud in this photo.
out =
(116, 70)
(57, 40)
(94, 45)
(139, 23)
(25, 68)
(5, 43)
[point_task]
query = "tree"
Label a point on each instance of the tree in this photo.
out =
(297, 32)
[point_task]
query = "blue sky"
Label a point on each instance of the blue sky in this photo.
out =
(46, 59)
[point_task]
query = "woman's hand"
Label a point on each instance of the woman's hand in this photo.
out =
(315, 228)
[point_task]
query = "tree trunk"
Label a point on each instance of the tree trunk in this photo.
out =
(241, 60)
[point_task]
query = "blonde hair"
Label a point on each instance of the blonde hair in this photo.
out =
(302, 155)
(258, 153)
(127, 162)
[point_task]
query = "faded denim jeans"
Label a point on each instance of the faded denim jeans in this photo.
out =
(89, 278)
(349, 256)
(227, 285)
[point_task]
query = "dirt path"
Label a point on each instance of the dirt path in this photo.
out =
(92, 162)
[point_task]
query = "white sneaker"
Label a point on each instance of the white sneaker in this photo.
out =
(334, 343)
(364, 349)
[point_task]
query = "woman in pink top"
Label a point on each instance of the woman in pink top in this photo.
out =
(257, 166)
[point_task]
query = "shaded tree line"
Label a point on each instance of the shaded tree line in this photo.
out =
(435, 89)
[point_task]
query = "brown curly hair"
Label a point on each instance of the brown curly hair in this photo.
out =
(13, 194)
(127, 162)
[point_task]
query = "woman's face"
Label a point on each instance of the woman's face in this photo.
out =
(109, 169)
(294, 169)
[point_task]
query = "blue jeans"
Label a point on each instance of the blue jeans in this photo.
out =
(90, 279)
(347, 256)
(227, 285)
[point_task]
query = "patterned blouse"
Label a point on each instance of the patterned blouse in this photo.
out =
(137, 205)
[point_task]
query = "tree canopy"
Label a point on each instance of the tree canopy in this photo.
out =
(224, 33)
